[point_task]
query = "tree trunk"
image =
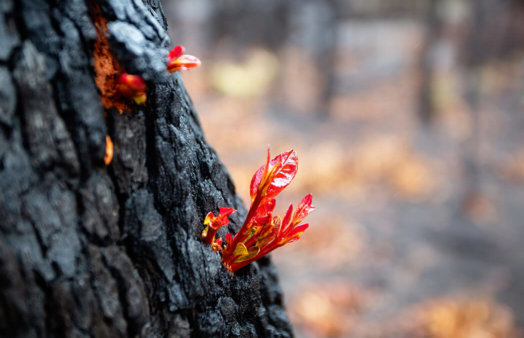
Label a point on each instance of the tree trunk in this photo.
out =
(426, 107)
(108, 251)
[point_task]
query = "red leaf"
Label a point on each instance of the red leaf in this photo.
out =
(294, 234)
(257, 177)
(303, 209)
(215, 222)
(217, 245)
(275, 175)
(176, 52)
(265, 209)
(287, 217)
(177, 60)
(132, 87)
(134, 82)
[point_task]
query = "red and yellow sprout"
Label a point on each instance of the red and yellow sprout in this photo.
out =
(177, 60)
(132, 87)
(109, 150)
(261, 232)
(213, 223)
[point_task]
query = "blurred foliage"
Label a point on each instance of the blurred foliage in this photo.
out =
(467, 319)
(253, 77)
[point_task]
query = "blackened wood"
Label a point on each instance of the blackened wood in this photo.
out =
(93, 251)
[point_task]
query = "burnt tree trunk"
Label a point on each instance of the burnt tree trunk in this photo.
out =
(109, 251)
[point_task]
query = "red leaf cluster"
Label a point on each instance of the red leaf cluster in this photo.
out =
(132, 87)
(262, 232)
(177, 60)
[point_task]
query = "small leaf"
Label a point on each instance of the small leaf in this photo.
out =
(303, 209)
(109, 150)
(217, 245)
(134, 82)
(222, 219)
(257, 177)
(176, 52)
(177, 60)
(294, 234)
(132, 87)
(276, 175)
(247, 254)
(240, 250)
(287, 217)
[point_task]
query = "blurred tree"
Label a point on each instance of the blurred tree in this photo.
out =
(251, 23)
(93, 251)
(426, 108)
(493, 32)
(314, 31)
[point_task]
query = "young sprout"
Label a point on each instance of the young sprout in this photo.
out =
(132, 87)
(177, 60)
(109, 150)
(261, 232)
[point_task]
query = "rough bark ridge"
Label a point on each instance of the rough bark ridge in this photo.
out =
(90, 250)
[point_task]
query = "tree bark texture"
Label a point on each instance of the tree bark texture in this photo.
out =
(88, 250)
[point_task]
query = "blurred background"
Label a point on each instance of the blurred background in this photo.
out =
(408, 118)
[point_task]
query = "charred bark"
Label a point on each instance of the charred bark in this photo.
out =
(89, 250)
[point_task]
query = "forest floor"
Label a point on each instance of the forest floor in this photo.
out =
(418, 228)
